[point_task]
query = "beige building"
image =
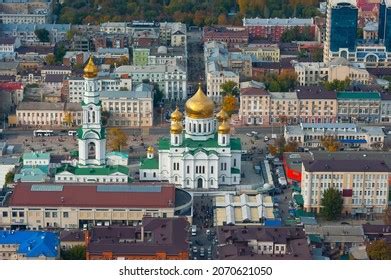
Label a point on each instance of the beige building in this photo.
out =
(129, 108)
(38, 206)
(284, 106)
(230, 209)
(215, 79)
(263, 52)
(363, 184)
(40, 114)
(254, 106)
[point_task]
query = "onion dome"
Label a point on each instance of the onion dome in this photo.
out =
(150, 150)
(199, 106)
(222, 115)
(176, 115)
(224, 128)
(176, 127)
(90, 71)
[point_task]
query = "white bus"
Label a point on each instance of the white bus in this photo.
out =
(43, 132)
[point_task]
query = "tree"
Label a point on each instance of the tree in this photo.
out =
(230, 104)
(330, 143)
(42, 34)
(379, 250)
(9, 177)
(68, 119)
(387, 216)
(117, 138)
(222, 19)
(77, 252)
(338, 85)
(59, 53)
(273, 150)
(50, 59)
(105, 115)
(157, 96)
(229, 88)
(331, 204)
(291, 146)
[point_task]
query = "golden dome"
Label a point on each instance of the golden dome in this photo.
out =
(176, 115)
(176, 127)
(150, 150)
(90, 71)
(222, 115)
(199, 106)
(224, 128)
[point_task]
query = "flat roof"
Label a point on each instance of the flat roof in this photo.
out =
(345, 165)
(88, 195)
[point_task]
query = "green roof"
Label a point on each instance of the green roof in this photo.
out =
(147, 163)
(358, 95)
(235, 171)
(298, 198)
(164, 143)
(193, 152)
(314, 238)
(32, 156)
(296, 189)
(101, 135)
(97, 104)
(302, 213)
(116, 153)
(106, 170)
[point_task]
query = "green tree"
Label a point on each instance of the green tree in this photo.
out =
(229, 88)
(379, 250)
(50, 59)
(77, 252)
(332, 203)
(105, 115)
(338, 85)
(9, 177)
(42, 34)
(157, 96)
(59, 53)
(117, 138)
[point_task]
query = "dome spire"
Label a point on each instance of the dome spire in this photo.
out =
(90, 71)
(199, 106)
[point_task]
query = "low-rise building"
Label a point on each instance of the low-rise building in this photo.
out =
(385, 108)
(129, 108)
(263, 52)
(227, 35)
(9, 44)
(29, 245)
(77, 205)
(257, 242)
(36, 159)
(284, 107)
(358, 106)
(153, 239)
(70, 238)
(254, 106)
(362, 184)
(55, 70)
(348, 134)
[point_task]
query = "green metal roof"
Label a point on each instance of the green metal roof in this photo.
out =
(358, 95)
(235, 171)
(116, 153)
(106, 170)
(164, 143)
(33, 156)
(147, 163)
(314, 238)
(299, 199)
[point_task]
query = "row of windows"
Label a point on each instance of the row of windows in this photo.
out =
(104, 180)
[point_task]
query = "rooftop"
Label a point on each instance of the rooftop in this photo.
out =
(164, 143)
(35, 156)
(94, 195)
(313, 92)
(347, 165)
(38, 106)
(33, 244)
(277, 21)
(358, 95)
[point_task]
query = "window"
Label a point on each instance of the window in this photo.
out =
(47, 214)
(14, 214)
(5, 214)
(154, 174)
(211, 170)
(54, 214)
(65, 215)
(188, 169)
(145, 174)
(21, 214)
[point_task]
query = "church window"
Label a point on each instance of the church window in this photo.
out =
(194, 127)
(196, 169)
(188, 169)
(211, 182)
(145, 175)
(223, 179)
(204, 127)
(176, 139)
(91, 150)
(176, 178)
(199, 127)
(208, 127)
(211, 170)
(235, 162)
(223, 140)
(234, 178)
(187, 182)
(203, 170)
(154, 174)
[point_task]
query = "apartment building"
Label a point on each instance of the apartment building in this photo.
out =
(227, 35)
(44, 114)
(26, 32)
(359, 106)
(348, 134)
(36, 206)
(169, 234)
(172, 80)
(363, 184)
(254, 106)
(55, 70)
(385, 108)
(129, 108)
(284, 107)
(316, 105)
(263, 52)
(105, 83)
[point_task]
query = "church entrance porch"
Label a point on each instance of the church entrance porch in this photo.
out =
(199, 183)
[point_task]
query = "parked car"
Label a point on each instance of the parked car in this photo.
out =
(202, 252)
(266, 138)
(254, 132)
(195, 249)
(249, 134)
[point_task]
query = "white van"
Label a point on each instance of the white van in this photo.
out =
(194, 230)
(72, 132)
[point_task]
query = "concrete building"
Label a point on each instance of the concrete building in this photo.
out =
(316, 105)
(55, 70)
(243, 209)
(385, 108)
(262, 243)
(263, 52)
(36, 159)
(129, 108)
(222, 34)
(363, 184)
(348, 134)
(78, 205)
(172, 80)
(8, 45)
(29, 245)
(7, 164)
(41, 114)
(169, 237)
(254, 106)
(284, 107)
(272, 28)
(359, 106)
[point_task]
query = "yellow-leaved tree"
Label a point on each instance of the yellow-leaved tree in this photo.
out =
(117, 138)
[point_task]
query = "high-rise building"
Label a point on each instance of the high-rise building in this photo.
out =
(385, 23)
(341, 29)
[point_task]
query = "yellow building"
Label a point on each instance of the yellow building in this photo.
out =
(263, 52)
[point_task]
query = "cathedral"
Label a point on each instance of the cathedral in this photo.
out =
(92, 163)
(200, 152)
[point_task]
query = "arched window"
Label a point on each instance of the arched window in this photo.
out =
(194, 127)
(176, 139)
(199, 127)
(223, 139)
(208, 127)
(91, 150)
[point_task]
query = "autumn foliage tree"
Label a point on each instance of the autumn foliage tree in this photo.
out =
(379, 250)
(68, 119)
(117, 138)
(330, 143)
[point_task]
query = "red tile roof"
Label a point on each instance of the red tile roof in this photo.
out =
(253, 91)
(86, 195)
